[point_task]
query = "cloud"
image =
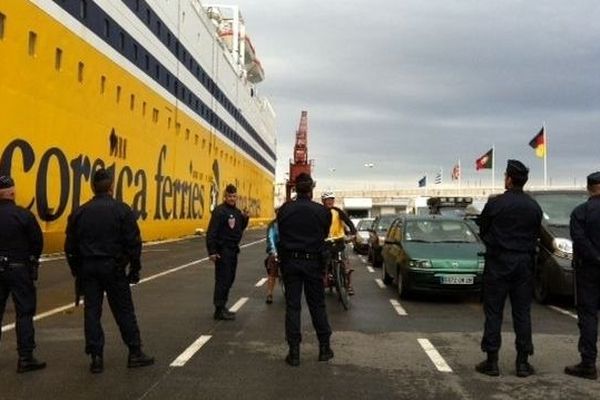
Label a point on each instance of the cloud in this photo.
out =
(413, 85)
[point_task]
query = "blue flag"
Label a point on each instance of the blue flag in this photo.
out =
(423, 181)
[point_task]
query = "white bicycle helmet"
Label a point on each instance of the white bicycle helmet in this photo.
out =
(327, 195)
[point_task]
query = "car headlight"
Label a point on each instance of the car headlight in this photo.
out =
(381, 239)
(481, 265)
(563, 247)
(419, 264)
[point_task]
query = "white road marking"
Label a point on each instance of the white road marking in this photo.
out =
(563, 311)
(398, 307)
(66, 307)
(370, 269)
(380, 283)
(261, 282)
(238, 304)
(434, 356)
(190, 351)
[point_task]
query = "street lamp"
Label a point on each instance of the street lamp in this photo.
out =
(369, 165)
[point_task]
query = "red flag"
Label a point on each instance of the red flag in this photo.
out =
(456, 172)
(485, 161)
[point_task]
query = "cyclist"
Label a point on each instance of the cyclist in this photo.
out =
(340, 224)
(272, 262)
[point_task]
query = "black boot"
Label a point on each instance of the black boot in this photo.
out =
(325, 352)
(524, 369)
(223, 314)
(293, 357)
(137, 358)
(97, 364)
(584, 369)
(29, 363)
(489, 366)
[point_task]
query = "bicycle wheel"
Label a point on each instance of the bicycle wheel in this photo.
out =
(341, 285)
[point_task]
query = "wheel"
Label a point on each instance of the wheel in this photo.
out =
(385, 277)
(541, 290)
(402, 286)
(341, 285)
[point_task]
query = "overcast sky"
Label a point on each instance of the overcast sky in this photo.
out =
(414, 85)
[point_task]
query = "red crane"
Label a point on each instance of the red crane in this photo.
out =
(300, 163)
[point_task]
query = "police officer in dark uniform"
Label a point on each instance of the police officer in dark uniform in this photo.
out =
(227, 223)
(102, 239)
(21, 244)
(303, 228)
(509, 226)
(585, 233)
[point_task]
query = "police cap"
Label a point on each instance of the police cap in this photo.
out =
(593, 178)
(6, 182)
(230, 189)
(516, 168)
(101, 175)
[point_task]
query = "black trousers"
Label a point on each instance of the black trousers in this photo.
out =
(17, 282)
(307, 274)
(225, 268)
(587, 278)
(99, 276)
(508, 275)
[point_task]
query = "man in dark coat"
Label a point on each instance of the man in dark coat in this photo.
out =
(227, 223)
(303, 228)
(585, 233)
(21, 244)
(509, 226)
(102, 239)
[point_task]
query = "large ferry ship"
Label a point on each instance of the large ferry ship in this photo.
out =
(161, 92)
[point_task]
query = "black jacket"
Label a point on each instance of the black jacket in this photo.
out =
(225, 228)
(303, 226)
(20, 234)
(585, 231)
(103, 228)
(511, 222)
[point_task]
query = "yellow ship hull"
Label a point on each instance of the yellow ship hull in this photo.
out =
(67, 109)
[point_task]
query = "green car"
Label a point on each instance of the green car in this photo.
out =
(432, 254)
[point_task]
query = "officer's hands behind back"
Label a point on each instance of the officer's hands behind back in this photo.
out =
(133, 277)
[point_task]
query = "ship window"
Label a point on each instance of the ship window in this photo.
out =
(203, 143)
(135, 52)
(169, 123)
(144, 108)
(158, 28)
(147, 61)
(80, 68)
(102, 84)
(187, 134)
(157, 71)
(122, 40)
(132, 102)
(168, 81)
(148, 16)
(58, 59)
(177, 128)
(2, 21)
(32, 42)
(177, 49)
(83, 9)
(137, 5)
(168, 39)
(154, 115)
(106, 28)
(196, 139)
(118, 94)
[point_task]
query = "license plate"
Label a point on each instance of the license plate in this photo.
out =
(456, 280)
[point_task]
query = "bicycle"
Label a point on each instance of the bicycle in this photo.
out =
(336, 275)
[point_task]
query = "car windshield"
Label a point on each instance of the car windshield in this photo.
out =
(557, 207)
(364, 224)
(384, 223)
(439, 231)
(458, 212)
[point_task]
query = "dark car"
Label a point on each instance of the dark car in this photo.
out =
(432, 254)
(553, 269)
(377, 233)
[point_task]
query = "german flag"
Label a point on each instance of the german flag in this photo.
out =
(539, 143)
(485, 161)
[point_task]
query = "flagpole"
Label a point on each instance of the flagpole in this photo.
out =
(545, 155)
(459, 178)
